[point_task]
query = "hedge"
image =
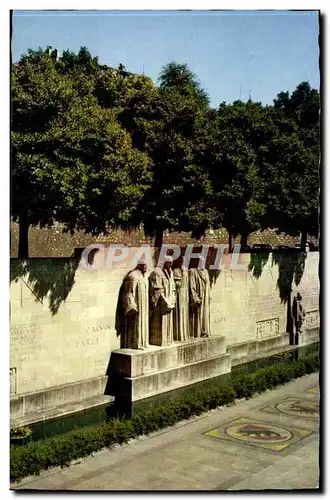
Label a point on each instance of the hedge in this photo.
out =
(34, 457)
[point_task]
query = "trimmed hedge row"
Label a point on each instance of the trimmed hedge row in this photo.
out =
(61, 450)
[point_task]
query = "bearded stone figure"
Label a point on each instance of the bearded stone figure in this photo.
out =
(162, 295)
(298, 314)
(199, 299)
(135, 309)
(181, 311)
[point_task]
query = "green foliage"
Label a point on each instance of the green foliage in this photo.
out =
(61, 450)
(178, 77)
(166, 123)
(290, 164)
(71, 160)
(20, 432)
(98, 147)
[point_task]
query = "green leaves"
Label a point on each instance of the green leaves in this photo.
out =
(97, 147)
(72, 161)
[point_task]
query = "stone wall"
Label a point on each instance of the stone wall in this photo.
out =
(63, 316)
(52, 242)
(248, 305)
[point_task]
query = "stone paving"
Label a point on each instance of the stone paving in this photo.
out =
(268, 442)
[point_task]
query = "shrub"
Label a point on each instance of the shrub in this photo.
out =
(34, 457)
(20, 432)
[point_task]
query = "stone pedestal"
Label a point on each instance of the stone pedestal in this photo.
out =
(255, 349)
(136, 374)
(309, 336)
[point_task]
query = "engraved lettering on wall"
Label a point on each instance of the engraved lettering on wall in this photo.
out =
(221, 319)
(25, 338)
(91, 341)
(25, 378)
(13, 380)
(217, 314)
(268, 328)
(85, 343)
(97, 328)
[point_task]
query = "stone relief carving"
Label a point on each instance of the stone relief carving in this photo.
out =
(312, 319)
(267, 328)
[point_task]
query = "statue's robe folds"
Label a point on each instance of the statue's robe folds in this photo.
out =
(181, 311)
(135, 309)
(298, 313)
(199, 298)
(162, 302)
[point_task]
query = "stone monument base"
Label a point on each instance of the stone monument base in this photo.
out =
(309, 336)
(137, 374)
(57, 401)
(255, 349)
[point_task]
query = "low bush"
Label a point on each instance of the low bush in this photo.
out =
(34, 457)
(20, 432)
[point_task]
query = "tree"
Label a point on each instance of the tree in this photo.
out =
(265, 161)
(179, 77)
(291, 176)
(165, 123)
(71, 161)
(83, 62)
(233, 137)
(303, 107)
(101, 177)
(289, 173)
(39, 94)
(114, 88)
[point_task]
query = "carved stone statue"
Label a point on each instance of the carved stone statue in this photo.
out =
(135, 308)
(162, 302)
(199, 298)
(298, 314)
(181, 311)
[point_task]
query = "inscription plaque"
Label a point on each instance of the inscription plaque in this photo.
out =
(268, 328)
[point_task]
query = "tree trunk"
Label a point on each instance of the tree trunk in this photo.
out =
(159, 237)
(23, 242)
(230, 242)
(303, 242)
(244, 240)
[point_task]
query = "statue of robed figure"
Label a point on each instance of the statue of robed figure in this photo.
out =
(162, 302)
(298, 314)
(181, 311)
(199, 298)
(135, 309)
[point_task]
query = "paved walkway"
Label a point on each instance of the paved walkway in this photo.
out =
(268, 442)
